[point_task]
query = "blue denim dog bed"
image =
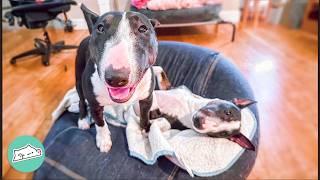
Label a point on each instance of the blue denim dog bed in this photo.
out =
(72, 153)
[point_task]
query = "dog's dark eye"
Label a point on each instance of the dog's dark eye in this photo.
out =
(227, 112)
(224, 133)
(100, 28)
(143, 29)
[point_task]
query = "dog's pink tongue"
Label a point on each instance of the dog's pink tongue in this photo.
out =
(119, 93)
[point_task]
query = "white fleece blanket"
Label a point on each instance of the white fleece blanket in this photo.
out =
(198, 154)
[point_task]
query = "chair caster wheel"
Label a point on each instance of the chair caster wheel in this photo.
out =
(13, 61)
(68, 27)
(46, 63)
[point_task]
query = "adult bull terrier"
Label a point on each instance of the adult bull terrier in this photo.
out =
(114, 67)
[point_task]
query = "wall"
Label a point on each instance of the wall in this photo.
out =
(123, 5)
(5, 25)
(74, 14)
(293, 13)
(275, 13)
(230, 11)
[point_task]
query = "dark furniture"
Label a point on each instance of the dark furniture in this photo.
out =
(208, 14)
(35, 14)
(72, 153)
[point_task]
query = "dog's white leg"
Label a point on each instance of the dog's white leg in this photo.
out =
(103, 138)
(84, 123)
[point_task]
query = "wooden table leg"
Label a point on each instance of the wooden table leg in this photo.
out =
(256, 12)
(245, 12)
(268, 11)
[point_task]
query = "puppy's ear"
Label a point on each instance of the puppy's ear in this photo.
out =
(91, 17)
(155, 23)
(242, 103)
(242, 141)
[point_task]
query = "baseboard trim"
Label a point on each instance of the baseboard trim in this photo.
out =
(79, 23)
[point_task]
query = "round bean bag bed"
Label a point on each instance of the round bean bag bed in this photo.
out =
(72, 153)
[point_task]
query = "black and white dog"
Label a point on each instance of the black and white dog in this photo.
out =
(184, 110)
(217, 118)
(113, 66)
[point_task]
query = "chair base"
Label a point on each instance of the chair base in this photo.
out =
(43, 48)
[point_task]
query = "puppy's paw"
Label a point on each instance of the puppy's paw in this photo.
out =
(83, 124)
(104, 142)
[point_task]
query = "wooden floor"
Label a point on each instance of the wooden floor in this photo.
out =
(279, 63)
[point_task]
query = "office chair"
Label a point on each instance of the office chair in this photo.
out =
(35, 14)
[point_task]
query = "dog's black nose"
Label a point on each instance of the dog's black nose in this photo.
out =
(117, 77)
(117, 81)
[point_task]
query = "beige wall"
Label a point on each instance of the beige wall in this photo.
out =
(122, 5)
(75, 12)
(76, 15)
(231, 5)
(230, 10)
(5, 25)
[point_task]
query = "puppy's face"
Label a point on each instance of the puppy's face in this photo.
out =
(123, 46)
(220, 118)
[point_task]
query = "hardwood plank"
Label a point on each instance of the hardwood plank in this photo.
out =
(33, 88)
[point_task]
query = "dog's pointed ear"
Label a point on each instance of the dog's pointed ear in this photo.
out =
(155, 23)
(91, 17)
(242, 141)
(242, 102)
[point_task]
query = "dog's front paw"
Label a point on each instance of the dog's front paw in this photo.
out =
(103, 138)
(83, 124)
(104, 143)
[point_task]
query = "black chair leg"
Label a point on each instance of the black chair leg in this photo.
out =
(69, 47)
(24, 54)
(46, 57)
(233, 28)
(44, 47)
(61, 46)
